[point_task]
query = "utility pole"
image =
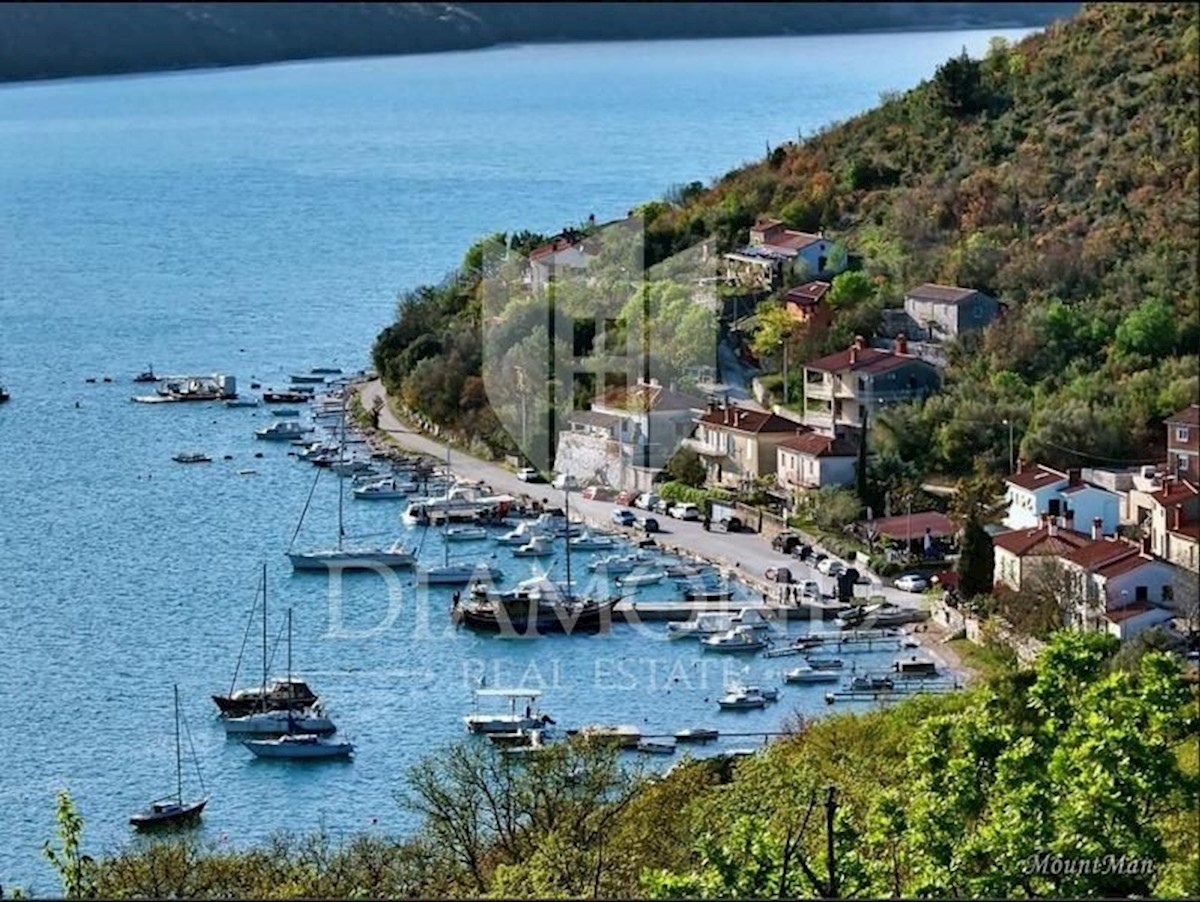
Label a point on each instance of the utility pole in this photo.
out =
(1011, 462)
(784, 342)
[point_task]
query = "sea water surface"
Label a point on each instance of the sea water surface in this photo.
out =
(261, 221)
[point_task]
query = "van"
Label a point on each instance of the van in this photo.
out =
(565, 481)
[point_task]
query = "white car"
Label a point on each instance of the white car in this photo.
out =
(646, 501)
(686, 511)
(565, 481)
(911, 582)
(529, 474)
(831, 566)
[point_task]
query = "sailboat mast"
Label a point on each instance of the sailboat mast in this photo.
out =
(289, 666)
(263, 699)
(178, 751)
(570, 587)
(342, 475)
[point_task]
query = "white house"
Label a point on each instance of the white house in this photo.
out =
(809, 460)
(1120, 587)
(566, 254)
(774, 251)
(1042, 490)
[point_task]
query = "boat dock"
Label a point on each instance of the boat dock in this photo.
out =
(900, 690)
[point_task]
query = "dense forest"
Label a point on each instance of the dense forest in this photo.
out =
(1091, 756)
(1059, 174)
(53, 40)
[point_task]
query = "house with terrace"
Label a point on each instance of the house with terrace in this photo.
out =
(811, 460)
(628, 435)
(1034, 491)
(776, 253)
(739, 444)
(1183, 444)
(844, 388)
(1173, 526)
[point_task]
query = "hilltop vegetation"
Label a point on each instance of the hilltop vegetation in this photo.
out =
(53, 40)
(1090, 756)
(1059, 174)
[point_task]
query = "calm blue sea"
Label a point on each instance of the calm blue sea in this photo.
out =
(260, 221)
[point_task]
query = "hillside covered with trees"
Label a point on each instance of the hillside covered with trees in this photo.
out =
(1090, 756)
(54, 40)
(1059, 174)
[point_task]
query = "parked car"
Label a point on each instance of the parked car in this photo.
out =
(598, 493)
(912, 582)
(646, 501)
(818, 557)
(802, 551)
(785, 542)
(647, 524)
(529, 474)
(809, 589)
(831, 566)
(662, 506)
(685, 511)
(728, 524)
(623, 516)
(565, 481)
(625, 498)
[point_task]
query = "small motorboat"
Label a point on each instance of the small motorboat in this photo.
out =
(383, 489)
(283, 430)
(465, 533)
(619, 564)
(738, 639)
(644, 578)
(459, 574)
(146, 375)
(742, 698)
(806, 673)
(308, 378)
(588, 541)
(697, 734)
(625, 736)
(708, 594)
(241, 402)
(824, 663)
(285, 412)
(326, 371)
(191, 457)
(871, 684)
(915, 667)
(299, 747)
(523, 533)
(538, 546)
(285, 397)
(657, 746)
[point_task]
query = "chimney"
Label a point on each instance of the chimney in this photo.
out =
(1069, 520)
(1020, 465)
(853, 355)
(860, 342)
(1097, 529)
(726, 414)
(1146, 542)
(1177, 517)
(1052, 528)
(1073, 476)
(901, 344)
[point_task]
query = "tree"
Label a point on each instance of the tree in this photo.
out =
(775, 326)
(849, 289)
(977, 503)
(958, 88)
(76, 869)
(1149, 330)
(686, 466)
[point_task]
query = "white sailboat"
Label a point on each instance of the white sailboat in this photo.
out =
(457, 574)
(396, 555)
(173, 810)
(297, 742)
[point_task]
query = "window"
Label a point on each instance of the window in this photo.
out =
(1055, 505)
(1168, 593)
(1141, 593)
(1181, 433)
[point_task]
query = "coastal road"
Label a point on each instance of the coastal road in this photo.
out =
(745, 553)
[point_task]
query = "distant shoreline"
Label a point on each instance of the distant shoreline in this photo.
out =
(188, 68)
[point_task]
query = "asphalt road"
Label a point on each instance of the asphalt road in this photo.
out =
(745, 553)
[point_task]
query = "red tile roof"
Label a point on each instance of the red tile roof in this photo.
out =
(1178, 491)
(1039, 542)
(1124, 565)
(868, 360)
(941, 294)
(644, 397)
(814, 444)
(1119, 615)
(792, 241)
(1100, 552)
(743, 419)
(1189, 416)
(904, 526)
(807, 295)
(1036, 477)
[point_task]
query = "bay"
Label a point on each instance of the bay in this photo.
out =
(261, 221)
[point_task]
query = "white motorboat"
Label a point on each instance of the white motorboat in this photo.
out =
(558, 525)
(708, 623)
(275, 723)
(383, 489)
(241, 402)
(697, 734)
(626, 736)
(642, 578)
(738, 639)
(619, 564)
(538, 546)
(806, 673)
(514, 720)
(751, 618)
(285, 412)
(465, 533)
(398, 554)
(741, 698)
(282, 430)
(589, 541)
(522, 534)
(353, 467)
(657, 746)
(299, 746)
(459, 574)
